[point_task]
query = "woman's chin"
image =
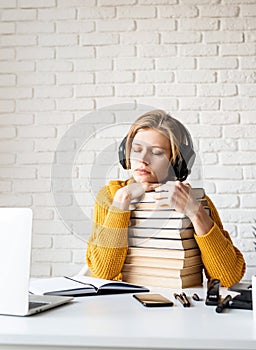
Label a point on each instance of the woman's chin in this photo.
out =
(144, 178)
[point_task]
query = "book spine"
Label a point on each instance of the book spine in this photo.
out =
(162, 223)
(162, 243)
(164, 282)
(163, 262)
(163, 253)
(161, 233)
(198, 193)
(161, 272)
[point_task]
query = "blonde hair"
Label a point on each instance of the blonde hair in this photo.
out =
(161, 121)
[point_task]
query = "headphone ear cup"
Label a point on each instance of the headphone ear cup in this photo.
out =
(122, 153)
(183, 164)
(180, 169)
(188, 155)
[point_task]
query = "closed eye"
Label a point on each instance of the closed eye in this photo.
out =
(136, 149)
(157, 153)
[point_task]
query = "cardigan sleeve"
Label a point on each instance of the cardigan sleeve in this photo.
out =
(108, 243)
(221, 259)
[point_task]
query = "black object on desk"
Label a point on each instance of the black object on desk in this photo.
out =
(213, 294)
(244, 299)
(224, 303)
(182, 299)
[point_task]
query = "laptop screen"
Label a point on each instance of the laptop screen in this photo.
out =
(15, 254)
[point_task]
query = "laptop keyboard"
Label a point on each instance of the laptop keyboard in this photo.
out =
(33, 304)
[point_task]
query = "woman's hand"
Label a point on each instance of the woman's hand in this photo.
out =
(134, 191)
(178, 196)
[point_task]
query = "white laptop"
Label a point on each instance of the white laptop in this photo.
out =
(15, 255)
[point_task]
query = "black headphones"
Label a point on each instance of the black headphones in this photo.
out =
(183, 164)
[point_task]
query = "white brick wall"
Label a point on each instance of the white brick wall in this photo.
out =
(61, 60)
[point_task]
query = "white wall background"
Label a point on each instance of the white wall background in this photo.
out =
(62, 60)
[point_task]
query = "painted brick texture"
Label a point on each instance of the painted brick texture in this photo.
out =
(62, 60)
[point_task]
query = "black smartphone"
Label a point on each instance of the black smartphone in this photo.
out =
(152, 300)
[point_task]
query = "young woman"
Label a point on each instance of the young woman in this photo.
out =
(159, 152)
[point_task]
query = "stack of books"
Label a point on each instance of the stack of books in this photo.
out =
(162, 249)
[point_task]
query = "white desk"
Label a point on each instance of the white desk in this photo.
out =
(120, 322)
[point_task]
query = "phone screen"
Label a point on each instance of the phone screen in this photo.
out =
(153, 300)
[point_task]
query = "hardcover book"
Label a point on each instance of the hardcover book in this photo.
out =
(161, 223)
(161, 271)
(161, 233)
(163, 253)
(165, 282)
(148, 200)
(182, 244)
(163, 262)
(159, 214)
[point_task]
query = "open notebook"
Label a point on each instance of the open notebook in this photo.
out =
(81, 286)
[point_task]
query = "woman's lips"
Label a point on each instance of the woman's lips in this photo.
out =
(142, 171)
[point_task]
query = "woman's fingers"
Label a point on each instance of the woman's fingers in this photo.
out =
(135, 190)
(162, 195)
(149, 186)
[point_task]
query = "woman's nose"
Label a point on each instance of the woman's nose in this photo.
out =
(145, 157)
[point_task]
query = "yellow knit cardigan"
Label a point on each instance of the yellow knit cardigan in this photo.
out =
(108, 243)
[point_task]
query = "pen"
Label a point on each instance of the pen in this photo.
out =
(181, 300)
(184, 296)
(223, 304)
